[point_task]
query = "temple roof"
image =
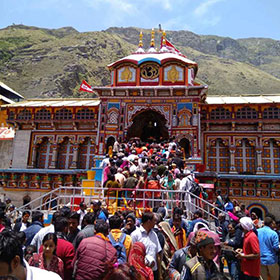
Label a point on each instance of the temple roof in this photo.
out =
(73, 102)
(253, 99)
(6, 100)
(9, 93)
(138, 58)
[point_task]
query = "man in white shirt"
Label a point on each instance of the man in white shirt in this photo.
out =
(148, 237)
(13, 264)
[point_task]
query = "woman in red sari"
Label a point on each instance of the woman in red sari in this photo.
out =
(48, 260)
(137, 259)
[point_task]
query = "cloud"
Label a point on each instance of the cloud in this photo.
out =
(116, 5)
(165, 4)
(203, 8)
(176, 23)
(212, 22)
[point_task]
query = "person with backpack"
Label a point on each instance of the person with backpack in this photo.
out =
(121, 242)
(94, 255)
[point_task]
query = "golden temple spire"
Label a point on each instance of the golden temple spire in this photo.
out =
(163, 38)
(163, 47)
(140, 44)
(153, 38)
(152, 46)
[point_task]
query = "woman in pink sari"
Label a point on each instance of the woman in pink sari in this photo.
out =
(137, 259)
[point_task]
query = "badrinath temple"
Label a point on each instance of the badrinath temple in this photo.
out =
(232, 142)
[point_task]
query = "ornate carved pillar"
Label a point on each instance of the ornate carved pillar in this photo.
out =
(75, 156)
(259, 160)
(54, 156)
(232, 168)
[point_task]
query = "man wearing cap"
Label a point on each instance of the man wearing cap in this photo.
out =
(202, 266)
(250, 255)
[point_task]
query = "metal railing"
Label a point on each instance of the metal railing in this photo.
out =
(122, 198)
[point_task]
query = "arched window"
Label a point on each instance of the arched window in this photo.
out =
(271, 113)
(44, 154)
(218, 157)
(246, 113)
(63, 114)
(271, 158)
(85, 114)
(43, 114)
(245, 158)
(24, 115)
(220, 114)
(86, 155)
(65, 154)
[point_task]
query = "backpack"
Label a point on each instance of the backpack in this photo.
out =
(119, 246)
(195, 188)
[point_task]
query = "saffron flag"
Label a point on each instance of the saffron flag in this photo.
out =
(85, 87)
(171, 47)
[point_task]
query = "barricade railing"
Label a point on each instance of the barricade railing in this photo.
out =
(121, 198)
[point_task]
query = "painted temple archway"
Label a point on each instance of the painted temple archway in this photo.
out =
(186, 145)
(110, 142)
(148, 125)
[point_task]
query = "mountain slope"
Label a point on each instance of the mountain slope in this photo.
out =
(39, 62)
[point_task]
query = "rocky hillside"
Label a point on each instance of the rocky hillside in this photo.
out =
(39, 62)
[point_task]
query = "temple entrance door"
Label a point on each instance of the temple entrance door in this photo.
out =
(110, 142)
(148, 126)
(185, 144)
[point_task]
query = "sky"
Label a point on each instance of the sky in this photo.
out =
(229, 18)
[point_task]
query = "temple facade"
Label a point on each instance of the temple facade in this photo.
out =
(234, 142)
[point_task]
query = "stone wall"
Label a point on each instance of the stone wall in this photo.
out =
(272, 206)
(21, 148)
(6, 152)
(17, 196)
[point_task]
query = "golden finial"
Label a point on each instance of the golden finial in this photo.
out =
(153, 38)
(163, 37)
(140, 45)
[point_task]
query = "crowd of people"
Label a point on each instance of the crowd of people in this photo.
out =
(92, 244)
(135, 166)
(166, 241)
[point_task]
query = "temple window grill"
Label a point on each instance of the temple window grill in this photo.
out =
(24, 115)
(12, 115)
(271, 113)
(203, 114)
(85, 114)
(63, 114)
(246, 113)
(43, 114)
(220, 114)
